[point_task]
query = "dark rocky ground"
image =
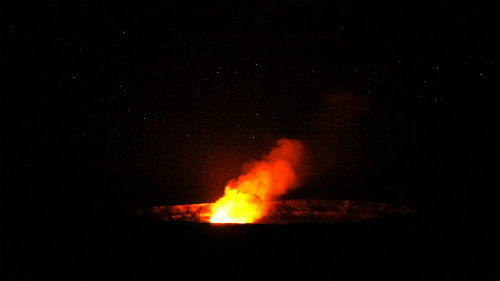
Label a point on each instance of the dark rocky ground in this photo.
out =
(409, 247)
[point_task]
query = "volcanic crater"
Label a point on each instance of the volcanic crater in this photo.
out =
(286, 211)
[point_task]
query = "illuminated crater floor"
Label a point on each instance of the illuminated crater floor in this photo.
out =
(288, 211)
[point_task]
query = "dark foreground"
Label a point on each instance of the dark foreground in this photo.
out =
(406, 247)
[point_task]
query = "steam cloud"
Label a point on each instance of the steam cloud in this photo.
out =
(274, 175)
(278, 172)
(286, 166)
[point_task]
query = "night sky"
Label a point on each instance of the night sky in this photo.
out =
(109, 107)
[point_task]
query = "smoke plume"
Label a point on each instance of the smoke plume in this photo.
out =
(277, 172)
(336, 146)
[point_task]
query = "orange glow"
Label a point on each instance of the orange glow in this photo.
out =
(266, 179)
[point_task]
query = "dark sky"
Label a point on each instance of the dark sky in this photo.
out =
(128, 105)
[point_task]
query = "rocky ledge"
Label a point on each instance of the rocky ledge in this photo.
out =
(288, 211)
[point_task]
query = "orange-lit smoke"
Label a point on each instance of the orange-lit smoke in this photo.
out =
(278, 172)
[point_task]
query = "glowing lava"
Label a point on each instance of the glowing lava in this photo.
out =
(278, 172)
(235, 207)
